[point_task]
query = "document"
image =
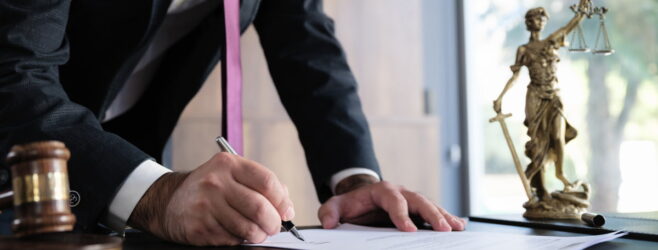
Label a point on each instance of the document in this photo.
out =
(348, 236)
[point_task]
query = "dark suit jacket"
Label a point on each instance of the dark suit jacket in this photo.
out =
(62, 63)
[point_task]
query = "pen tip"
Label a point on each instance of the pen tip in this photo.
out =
(296, 234)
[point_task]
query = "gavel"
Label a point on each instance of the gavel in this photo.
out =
(40, 198)
(40, 194)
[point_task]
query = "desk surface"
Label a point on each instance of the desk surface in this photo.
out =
(135, 241)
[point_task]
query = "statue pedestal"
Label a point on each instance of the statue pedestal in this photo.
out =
(560, 205)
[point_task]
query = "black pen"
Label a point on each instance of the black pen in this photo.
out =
(287, 225)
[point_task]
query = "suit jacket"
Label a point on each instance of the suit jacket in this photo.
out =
(62, 63)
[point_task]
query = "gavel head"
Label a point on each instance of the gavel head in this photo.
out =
(41, 188)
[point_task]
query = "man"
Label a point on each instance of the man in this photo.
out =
(63, 62)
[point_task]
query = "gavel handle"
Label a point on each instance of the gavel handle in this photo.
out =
(6, 199)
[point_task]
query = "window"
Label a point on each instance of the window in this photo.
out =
(611, 100)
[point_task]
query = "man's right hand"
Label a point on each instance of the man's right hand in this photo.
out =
(225, 201)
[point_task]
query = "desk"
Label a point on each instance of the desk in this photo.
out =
(136, 240)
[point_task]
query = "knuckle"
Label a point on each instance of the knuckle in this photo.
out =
(269, 182)
(349, 211)
(201, 205)
(268, 226)
(273, 227)
(220, 157)
(260, 218)
(258, 238)
(251, 232)
(398, 198)
(209, 181)
(333, 199)
(384, 184)
(387, 186)
(417, 196)
(223, 159)
(260, 208)
(263, 217)
(280, 200)
(194, 231)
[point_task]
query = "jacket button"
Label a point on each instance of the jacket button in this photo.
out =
(75, 198)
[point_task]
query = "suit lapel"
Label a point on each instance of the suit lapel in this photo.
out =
(248, 10)
(107, 38)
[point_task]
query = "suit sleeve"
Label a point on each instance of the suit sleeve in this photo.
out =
(317, 88)
(34, 106)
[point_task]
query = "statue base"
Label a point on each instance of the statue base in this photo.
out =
(559, 205)
(550, 209)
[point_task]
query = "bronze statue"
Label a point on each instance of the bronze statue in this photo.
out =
(547, 125)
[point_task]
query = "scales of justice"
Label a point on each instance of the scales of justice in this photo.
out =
(547, 125)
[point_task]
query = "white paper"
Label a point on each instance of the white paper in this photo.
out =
(348, 236)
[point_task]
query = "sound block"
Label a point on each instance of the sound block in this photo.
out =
(61, 241)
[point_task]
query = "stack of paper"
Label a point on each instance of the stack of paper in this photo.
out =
(348, 236)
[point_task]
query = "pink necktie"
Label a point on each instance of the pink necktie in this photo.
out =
(232, 77)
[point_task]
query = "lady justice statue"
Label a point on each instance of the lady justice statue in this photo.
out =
(547, 126)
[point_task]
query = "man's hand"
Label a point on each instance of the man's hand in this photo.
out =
(374, 202)
(225, 201)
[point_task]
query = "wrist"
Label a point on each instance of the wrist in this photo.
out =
(354, 182)
(148, 215)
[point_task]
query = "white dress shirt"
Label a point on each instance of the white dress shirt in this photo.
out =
(182, 17)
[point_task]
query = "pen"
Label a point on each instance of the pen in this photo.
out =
(287, 225)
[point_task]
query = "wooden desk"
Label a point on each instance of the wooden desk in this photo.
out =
(135, 240)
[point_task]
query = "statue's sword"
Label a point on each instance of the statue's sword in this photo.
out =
(500, 117)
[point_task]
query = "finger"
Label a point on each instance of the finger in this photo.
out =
(254, 207)
(265, 182)
(226, 239)
(392, 201)
(457, 224)
(237, 224)
(290, 212)
(329, 213)
(285, 189)
(427, 210)
(194, 233)
(203, 230)
(220, 236)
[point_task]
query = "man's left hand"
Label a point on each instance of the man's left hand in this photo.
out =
(373, 203)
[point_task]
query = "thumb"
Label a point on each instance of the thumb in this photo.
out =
(329, 213)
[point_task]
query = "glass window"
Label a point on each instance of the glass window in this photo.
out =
(611, 100)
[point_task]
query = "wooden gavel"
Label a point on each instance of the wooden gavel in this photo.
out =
(40, 194)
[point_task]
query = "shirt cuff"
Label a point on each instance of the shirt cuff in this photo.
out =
(131, 192)
(338, 177)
